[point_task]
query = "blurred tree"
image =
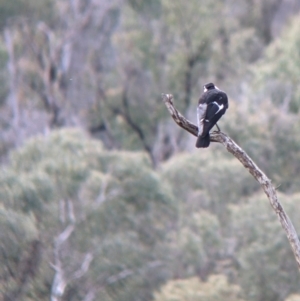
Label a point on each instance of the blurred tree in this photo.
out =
(20, 253)
(271, 139)
(132, 54)
(277, 74)
(44, 57)
(162, 52)
(201, 240)
(101, 65)
(102, 217)
(196, 243)
(196, 181)
(189, 44)
(28, 9)
(259, 15)
(192, 289)
(266, 268)
(108, 223)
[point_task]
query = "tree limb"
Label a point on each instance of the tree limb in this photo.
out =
(249, 164)
(59, 282)
(135, 126)
(13, 82)
(88, 258)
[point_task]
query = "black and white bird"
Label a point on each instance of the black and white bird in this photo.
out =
(212, 104)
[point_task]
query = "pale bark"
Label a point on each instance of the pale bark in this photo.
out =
(12, 71)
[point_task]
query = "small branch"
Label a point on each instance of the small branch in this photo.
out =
(127, 116)
(249, 164)
(84, 266)
(122, 275)
(13, 81)
(59, 282)
(178, 118)
(63, 236)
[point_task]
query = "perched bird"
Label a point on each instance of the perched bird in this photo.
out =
(211, 106)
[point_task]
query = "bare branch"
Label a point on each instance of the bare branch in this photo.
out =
(59, 281)
(63, 236)
(90, 296)
(84, 266)
(178, 118)
(71, 211)
(249, 164)
(135, 126)
(12, 69)
(123, 274)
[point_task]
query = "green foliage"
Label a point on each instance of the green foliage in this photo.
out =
(44, 170)
(121, 209)
(259, 15)
(195, 243)
(265, 260)
(19, 233)
(189, 45)
(3, 77)
(216, 288)
(198, 214)
(169, 54)
(24, 8)
(125, 213)
(17, 229)
(146, 7)
(278, 73)
(10, 9)
(131, 99)
(272, 140)
(198, 177)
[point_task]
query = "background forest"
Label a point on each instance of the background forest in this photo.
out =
(102, 196)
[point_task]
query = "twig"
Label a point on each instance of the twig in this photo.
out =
(249, 164)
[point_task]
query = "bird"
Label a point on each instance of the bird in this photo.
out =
(212, 105)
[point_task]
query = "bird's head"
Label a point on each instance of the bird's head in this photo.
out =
(209, 86)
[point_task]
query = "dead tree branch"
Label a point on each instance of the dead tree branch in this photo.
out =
(13, 81)
(249, 164)
(60, 282)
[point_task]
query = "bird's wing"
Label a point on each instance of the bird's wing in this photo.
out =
(212, 109)
(217, 102)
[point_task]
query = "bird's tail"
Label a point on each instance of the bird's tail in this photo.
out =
(203, 141)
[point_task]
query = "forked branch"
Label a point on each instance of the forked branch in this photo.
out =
(249, 164)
